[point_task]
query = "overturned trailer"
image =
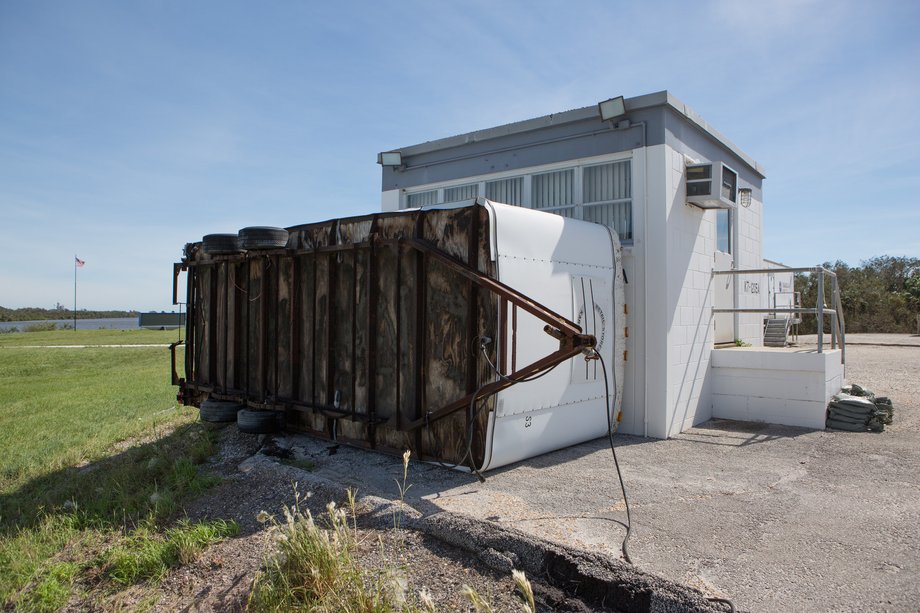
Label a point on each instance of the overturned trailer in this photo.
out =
(469, 333)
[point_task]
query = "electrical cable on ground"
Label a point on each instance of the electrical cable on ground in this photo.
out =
(610, 430)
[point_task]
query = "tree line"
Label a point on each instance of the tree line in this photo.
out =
(882, 294)
(39, 314)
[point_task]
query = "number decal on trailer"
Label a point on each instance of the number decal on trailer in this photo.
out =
(528, 421)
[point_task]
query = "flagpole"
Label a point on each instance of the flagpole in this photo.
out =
(75, 292)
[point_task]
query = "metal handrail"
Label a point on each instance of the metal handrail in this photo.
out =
(838, 326)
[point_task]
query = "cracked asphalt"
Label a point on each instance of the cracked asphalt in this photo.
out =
(775, 518)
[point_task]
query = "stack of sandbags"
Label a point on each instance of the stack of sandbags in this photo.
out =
(858, 410)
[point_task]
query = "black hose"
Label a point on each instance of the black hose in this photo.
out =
(731, 606)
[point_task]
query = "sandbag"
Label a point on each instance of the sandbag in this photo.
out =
(856, 409)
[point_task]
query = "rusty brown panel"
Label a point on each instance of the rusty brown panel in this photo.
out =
(387, 289)
(344, 320)
(362, 332)
(398, 226)
(450, 230)
(220, 368)
(254, 362)
(313, 235)
(357, 432)
(241, 337)
(203, 342)
(353, 231)
(307, 313)
(282, 325)
(447, 354)
(232, 326)
(408, 346)
(321, 349)
(270, 328)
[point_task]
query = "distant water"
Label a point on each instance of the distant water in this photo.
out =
(114, 323)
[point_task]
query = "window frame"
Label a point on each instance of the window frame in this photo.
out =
(526, 174)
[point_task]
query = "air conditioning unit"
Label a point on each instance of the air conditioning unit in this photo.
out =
(712, 185)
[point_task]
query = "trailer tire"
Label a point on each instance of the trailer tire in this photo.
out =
(263, 237)
(218, 411)
(220, 244)
(257, 422)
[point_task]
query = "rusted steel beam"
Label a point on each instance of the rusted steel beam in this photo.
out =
(176, 380)
(569, 347)
(534, 308)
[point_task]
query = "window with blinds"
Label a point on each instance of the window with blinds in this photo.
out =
(508, 191)
(461, 192)
(422, 198)
(554, 191)
(600, 193)
(607, 196)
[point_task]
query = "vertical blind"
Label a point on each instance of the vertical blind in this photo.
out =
(553, 189)
(422, 198)
(461, 192)
(607, 182)
(605, 194)
(508, 191)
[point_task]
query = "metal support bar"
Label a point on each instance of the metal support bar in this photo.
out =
(767, 310)
(820, 312)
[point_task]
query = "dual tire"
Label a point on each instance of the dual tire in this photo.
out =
(258, 422)
(218, 411)
(247, 420)
(253, 238)
(220, 244)
(262, 237)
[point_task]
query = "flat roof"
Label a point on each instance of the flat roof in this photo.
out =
(662, 98)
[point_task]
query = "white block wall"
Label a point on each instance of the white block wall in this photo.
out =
(751, 290)
(687, 279)
(775, 385)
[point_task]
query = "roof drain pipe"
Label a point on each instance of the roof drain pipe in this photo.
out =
(644, 276)
(644, 126)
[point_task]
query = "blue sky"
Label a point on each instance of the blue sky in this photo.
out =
(130, 128)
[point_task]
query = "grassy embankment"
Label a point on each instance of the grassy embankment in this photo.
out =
(78, 511)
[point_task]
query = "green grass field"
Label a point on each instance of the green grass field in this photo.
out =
(89, 337)
(97, 457)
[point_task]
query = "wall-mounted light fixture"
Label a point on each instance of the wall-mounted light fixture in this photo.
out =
(390, 158)
(612, 109)
(744, 196)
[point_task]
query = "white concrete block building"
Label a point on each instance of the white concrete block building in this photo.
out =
(686, 203)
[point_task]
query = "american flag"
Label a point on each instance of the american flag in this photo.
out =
(78, 262)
